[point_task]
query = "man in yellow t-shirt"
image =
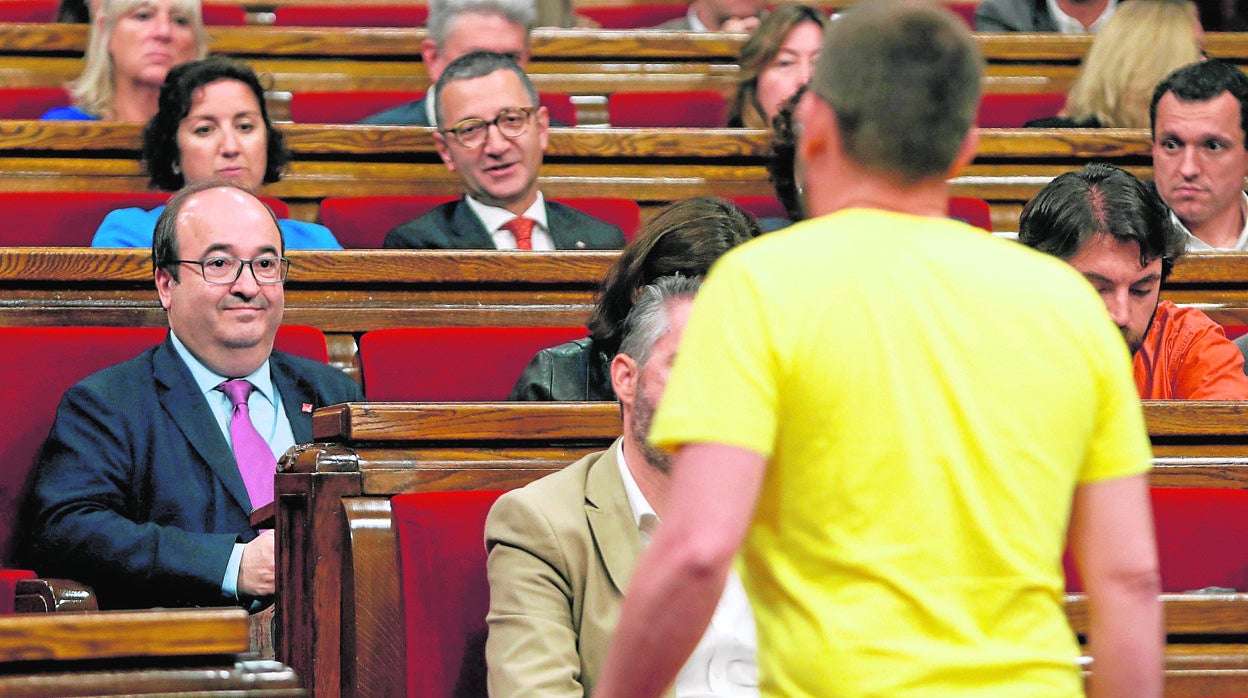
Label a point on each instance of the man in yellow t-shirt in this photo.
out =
(896, 419)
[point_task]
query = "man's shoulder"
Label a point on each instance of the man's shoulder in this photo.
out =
(325, 378)
(566, 220)
(558, 498)
(429, 229)
(407, 114)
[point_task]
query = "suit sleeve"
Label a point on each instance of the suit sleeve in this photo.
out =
(532, 645)
(88, 518)
(1212, 368)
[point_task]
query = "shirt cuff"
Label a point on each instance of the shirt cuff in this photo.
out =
(229, 585)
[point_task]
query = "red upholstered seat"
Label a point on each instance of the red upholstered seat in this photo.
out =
(430, 364)
(692, 109)
(35, 11)
(350, 14)
(965, 10)
(41, 363)
(761, 206)
(971, 210)
(361, 222)
(348, 108)
(1015, 110)
(445, 591)
(8, 588)
(225, 15)
(30, 102)
(1200, 538)
(65, 218)
(633, 16)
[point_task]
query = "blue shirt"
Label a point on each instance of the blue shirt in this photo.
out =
(68, 114)
(134, 227)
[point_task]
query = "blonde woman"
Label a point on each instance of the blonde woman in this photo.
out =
(1143, 42)
(776, 60)
(133, 45)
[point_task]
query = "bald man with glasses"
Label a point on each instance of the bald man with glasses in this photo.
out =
(145, 486)
(492, 133)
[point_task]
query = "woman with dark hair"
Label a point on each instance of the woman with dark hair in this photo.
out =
(212, 124)
(684, 238)
(778, 58)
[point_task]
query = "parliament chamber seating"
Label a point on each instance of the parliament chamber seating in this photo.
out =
(445, 592)
(30, 102)
(351, 15)
(432, 364)
(361, 222)
(70, 218)
(340, 108)
(1015, 110)
(28, 10)
(692, 109)
(638, 16)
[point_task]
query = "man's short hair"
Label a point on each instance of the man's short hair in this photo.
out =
(1101, 199)
(165, 253)
(647, 322)
(1201, 82)
(476, 65)
(903, 80)
(442, 14)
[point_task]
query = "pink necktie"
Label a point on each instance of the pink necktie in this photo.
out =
(522, 228)
(255, 459)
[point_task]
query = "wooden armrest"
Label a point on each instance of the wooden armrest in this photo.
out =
(53, 595)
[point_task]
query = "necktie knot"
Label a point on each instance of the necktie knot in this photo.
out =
(522, 228)
(237, 391)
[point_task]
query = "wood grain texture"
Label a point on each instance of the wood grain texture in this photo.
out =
(111, 634)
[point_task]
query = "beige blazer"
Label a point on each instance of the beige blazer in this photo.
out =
(561, 551)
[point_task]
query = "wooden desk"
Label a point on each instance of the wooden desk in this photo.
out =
(338, 619)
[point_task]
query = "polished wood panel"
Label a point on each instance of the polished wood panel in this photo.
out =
(112, 634)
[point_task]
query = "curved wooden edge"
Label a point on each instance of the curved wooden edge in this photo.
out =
(50, 595)
(109, 634)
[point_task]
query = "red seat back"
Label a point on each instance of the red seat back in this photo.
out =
(633, 16)
(8, 588)
(351, 15)
(1015, 110)
(430, 364)
(348, 108)
(971, 210)
(41, 363)
(224, 15)
(1200, 539)
(761, 206)
(30, 102)
(445, 591)
(69, 219)
(693, 109)
(33, 11)
(965, 10)
(361, 222)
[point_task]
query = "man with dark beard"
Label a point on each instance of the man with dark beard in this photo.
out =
(561, 550)
(1119, 235)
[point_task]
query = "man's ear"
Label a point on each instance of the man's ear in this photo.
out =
(543, 126)
(624, 374)
(439, 140)
(970, 146)
(430, 55)
(164, 287)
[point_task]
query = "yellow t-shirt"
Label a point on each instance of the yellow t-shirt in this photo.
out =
(928, 397)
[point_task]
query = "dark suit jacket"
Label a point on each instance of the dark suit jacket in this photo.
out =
(1014, 16)
(137, 492)
(409, 114)
(453, 226)
(570, 372)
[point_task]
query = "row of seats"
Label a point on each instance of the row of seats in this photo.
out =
(691, 109)
(69, 219)
(638, 16)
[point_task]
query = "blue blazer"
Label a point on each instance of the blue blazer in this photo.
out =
(453, 226)
(137, 492)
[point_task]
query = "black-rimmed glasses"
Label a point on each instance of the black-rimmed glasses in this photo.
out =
(512, 122)
(268, 269)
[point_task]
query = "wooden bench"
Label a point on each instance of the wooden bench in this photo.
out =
(651, 166)
(159, 652)
(338, 620)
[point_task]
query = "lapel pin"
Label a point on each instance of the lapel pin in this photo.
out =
(307, 407)
(580, 244)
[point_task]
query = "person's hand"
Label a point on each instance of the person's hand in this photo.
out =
(741, 25)
(255, 571)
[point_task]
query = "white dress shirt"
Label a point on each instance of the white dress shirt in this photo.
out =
(1069, 25)
(493, 218)
(1195, 244)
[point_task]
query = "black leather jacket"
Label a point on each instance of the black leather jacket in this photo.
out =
(571, 372)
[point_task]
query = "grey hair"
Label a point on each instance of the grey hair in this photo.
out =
(647, 322)
(478, 64)
(442, 14)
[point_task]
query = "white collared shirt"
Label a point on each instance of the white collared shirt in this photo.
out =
(493, 218)
(1069, 25)
(695, 23)
(724, 662)
(1195, 244)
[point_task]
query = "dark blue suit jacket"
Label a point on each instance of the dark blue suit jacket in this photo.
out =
(453, 226)
(411, 114)
(137, 491)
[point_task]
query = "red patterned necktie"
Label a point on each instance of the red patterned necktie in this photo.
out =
(522, 228)
(255, 459)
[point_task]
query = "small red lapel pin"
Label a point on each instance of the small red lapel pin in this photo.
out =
(307, 407)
